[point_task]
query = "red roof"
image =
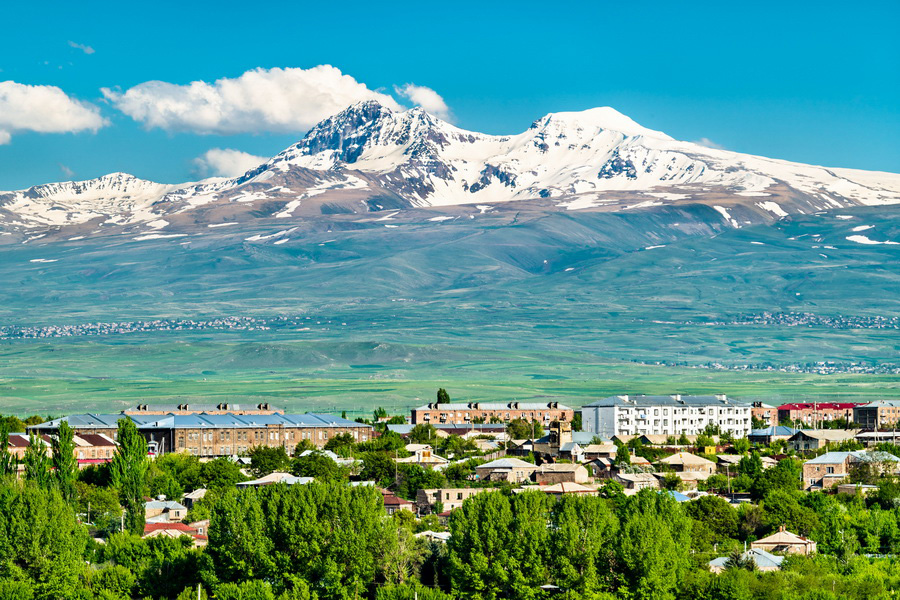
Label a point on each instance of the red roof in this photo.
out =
(821, 405)
(392, 500)
(185, 529)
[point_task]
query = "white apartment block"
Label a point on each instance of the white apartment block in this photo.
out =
(665, 415)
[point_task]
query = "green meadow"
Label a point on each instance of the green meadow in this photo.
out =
(508, 306)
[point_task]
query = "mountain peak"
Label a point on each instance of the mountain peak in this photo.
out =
(601, 118)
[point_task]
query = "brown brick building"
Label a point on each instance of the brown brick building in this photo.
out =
(485, 412)
(813, 414)
(212, 435)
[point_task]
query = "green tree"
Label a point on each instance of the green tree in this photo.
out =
(582, 544)
(13, 424)
(443, 397)
(577, 421)
(65, 465)
(742, 445)
(36, 461)
(7, 459)
(623, 455)
(520, 429)
(129, 473)
(786, 475)
(40, 540)
(378, 467)
(318, 465)
(654, 545)
(423, 433)
(341, 444)
(302, 446)
(683, 440)
(268, 459)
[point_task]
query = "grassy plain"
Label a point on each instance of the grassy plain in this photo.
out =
(498, 308)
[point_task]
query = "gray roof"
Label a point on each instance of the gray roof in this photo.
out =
(833, 458)
(881, 403)
(164, 505)
(762, 559)
(674, 400)
(201, 421)
(774, 430)
(405, 428)
(506, 463)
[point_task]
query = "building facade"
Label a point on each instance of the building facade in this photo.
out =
(881, 414)
(485, 412)
(220, 434)
(813, 414)
(665, 415)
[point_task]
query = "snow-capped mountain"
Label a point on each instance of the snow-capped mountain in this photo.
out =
(369, 158)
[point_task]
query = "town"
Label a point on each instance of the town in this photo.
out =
(740, 491)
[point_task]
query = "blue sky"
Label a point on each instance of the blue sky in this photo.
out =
(816, 83)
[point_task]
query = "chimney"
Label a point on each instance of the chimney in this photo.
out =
(676, 397)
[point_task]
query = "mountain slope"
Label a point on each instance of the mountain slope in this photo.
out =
(369, 158)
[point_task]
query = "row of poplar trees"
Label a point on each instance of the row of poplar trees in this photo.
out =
(59, 470)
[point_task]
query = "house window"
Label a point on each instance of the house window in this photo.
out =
(830, 470)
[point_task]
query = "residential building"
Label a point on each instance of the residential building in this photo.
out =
(834, 467)
(211, 435)
(814, 414)
(727, 463)
(469, 430)
(472, 412)
(561, 472)
(763, 560)
(562, 443)
(764, 412)
(813, 439)
(394, 503)
(770, 434)
(164, 511)
(595, 451)
(785, 542)
(637, 481)
(873, 438)
(665, 415)
(505, 469)
(274, 478)
(450, 498)
(175, 530)
(192, 498)
(881, 414)
(685, 462)
(89, 448)
(568, 487)
(424, 457)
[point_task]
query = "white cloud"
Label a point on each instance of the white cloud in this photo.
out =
(66, 170)
(226, 162)
(276, 100)
(44, 109)
(425, 97)
(708, 143)
(83, 47)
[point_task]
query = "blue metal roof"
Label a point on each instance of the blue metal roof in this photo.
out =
(202, 420)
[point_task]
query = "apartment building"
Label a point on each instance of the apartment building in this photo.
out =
(211, 435)
(814, 414)
(665, 415)
(485, 412)
(877, 415)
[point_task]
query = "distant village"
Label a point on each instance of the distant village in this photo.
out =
(686, 446)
